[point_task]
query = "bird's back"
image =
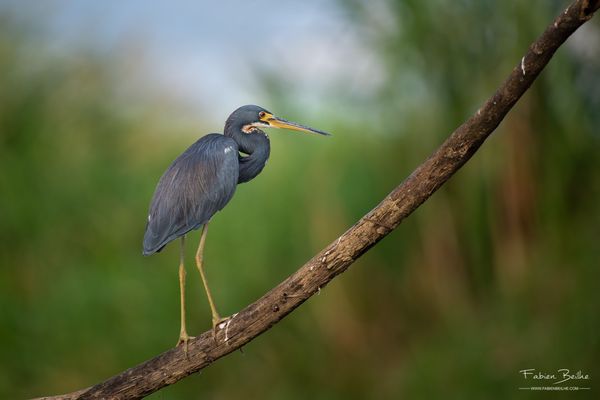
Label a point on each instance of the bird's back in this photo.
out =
(200, 182)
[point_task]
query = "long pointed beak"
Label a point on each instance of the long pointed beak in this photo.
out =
(276, 122)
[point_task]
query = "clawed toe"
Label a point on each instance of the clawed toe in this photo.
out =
(184, 338)
(218, 323)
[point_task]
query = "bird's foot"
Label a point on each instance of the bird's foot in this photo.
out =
(184, 338)
(220, 323)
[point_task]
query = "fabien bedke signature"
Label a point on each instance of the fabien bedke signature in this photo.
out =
(562, 379)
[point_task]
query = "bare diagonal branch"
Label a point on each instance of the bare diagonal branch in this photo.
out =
(171, 366)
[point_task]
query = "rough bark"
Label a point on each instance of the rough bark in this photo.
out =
(171, 366)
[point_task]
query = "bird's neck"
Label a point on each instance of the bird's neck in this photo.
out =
(257, 147)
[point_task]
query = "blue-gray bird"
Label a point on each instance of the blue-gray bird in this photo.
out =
(202, 180)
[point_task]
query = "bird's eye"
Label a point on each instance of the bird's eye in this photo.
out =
(262, 114)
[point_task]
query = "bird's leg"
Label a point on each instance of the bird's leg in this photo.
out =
(183, 336)
(216, 318)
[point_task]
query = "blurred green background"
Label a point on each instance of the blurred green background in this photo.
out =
(496, 273)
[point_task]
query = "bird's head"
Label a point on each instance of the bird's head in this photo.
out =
(250, 119)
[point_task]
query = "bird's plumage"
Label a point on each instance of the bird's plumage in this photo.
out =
(200, 182)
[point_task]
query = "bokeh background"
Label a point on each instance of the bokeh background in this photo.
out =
(497, 272)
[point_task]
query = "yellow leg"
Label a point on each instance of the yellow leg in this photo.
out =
(216, 318)
(183, 336)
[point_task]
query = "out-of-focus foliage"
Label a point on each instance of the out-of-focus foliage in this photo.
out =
(496, 273)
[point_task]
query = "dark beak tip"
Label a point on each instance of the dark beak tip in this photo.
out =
(318, 132)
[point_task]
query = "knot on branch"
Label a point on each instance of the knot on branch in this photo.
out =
(588, 8)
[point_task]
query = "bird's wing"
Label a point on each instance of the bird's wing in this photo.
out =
(200, 182)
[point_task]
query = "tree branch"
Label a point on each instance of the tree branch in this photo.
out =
(171, 366)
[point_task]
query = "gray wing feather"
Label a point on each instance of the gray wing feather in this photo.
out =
(200, 182)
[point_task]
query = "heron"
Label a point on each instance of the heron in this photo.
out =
(201, 181)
